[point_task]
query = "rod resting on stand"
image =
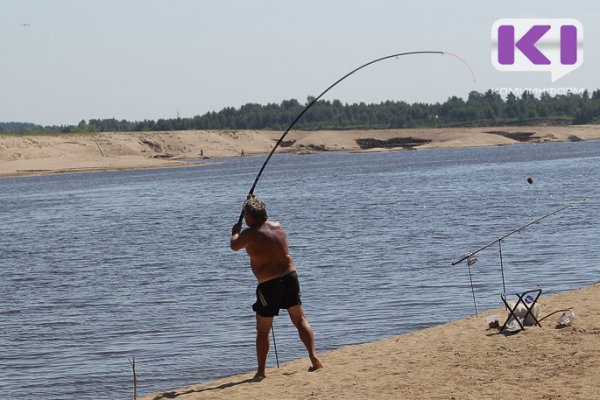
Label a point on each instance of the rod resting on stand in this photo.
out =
(472, 260)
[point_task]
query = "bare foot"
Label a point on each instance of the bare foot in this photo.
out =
(259, 376)
(316, 364)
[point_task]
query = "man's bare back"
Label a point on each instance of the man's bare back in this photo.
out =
(268, 250)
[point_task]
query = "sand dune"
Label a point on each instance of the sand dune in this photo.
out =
(462, 359)
(34, 155)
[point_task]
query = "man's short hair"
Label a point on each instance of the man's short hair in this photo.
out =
(256, 208)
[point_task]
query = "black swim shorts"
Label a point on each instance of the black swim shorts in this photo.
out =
(272, 295)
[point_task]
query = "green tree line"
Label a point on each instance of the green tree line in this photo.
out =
(479, 109)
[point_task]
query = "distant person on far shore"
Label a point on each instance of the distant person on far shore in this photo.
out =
(278, 287)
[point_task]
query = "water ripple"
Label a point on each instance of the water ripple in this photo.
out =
(100, 267)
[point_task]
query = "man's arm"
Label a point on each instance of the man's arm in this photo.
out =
(238, 238)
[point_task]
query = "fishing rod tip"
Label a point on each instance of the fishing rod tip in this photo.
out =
(463, 60)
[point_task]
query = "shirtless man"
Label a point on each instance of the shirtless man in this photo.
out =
(278, 286)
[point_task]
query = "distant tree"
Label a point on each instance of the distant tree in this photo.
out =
(478, 109)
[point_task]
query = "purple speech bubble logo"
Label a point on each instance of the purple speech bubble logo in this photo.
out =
(553, 45)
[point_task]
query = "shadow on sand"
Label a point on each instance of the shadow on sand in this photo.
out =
(173, 395)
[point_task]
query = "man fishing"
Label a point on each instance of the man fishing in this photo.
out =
(278, 286)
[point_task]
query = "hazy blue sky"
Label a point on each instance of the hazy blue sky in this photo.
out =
(67, 60)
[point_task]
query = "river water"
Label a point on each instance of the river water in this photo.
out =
(99, 267)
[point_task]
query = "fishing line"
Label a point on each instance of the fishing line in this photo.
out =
(311, 103)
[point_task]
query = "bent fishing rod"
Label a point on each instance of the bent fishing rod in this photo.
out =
(311, 103)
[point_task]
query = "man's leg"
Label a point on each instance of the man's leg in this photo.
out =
(306, 334)
(263, 327)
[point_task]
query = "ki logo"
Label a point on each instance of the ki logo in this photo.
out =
(540, 44)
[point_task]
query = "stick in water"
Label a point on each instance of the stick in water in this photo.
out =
(275, 345)
(132, 362)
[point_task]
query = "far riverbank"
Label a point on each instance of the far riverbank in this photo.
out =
(22, 155)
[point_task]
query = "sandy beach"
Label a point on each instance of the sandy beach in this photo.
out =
(462, 359)
(22, 155)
